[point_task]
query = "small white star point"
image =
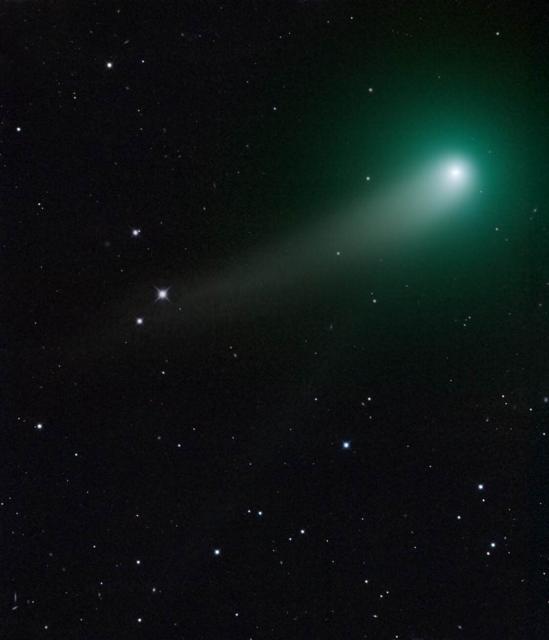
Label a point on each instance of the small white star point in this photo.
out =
(162, 294)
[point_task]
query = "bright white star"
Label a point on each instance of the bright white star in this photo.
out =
(162, 294)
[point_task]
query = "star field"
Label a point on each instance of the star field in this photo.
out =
(230, 409)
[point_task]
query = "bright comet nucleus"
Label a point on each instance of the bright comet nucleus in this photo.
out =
(446, 183)
(457, 172)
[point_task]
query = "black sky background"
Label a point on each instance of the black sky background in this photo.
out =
(257, 399)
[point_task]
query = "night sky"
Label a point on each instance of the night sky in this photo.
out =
(275, 338)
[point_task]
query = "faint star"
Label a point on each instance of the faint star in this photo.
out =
(39, 426)
(109, 65)
(139, 321)
(480, 487)
(217, 552)
(136, 232)
(346, 444)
